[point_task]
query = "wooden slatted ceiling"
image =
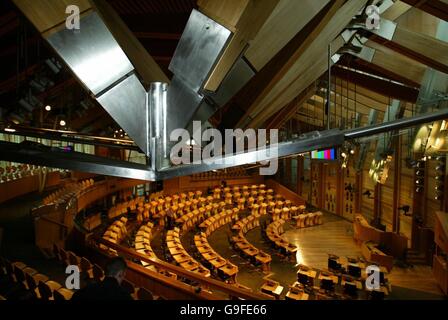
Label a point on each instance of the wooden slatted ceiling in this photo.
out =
(306, 65)
(438, 8)
(396, 10)
(416, 71)
(419, 47)
(397, 63)
(288, 18)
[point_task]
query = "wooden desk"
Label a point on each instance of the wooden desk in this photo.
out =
(176, 250)
(356, 283)
(203, 249)
(265, 261)
(171, 244)
(203, 272)
(230, 270)
(238, 226)
(210, 256)
(181, 258)
(238, 238)
(296, 294)
(242, 245)
(189, 265)
(218, 263)
(275, 290)
(310, 274)
(251, 251)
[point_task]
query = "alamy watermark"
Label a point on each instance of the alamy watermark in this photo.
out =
(73, 21)
(373, 280)
(259, 147)
(373, 17)
(72, 281)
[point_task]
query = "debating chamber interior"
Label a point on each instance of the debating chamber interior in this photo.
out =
(223, 150)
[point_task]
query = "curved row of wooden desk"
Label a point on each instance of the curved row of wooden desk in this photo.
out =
(222, 267)
(246, 249)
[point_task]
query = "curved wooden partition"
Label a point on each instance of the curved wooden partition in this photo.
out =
(53, 223)
(394, 243)
(202, 289)
(285, 192)
(16, 188)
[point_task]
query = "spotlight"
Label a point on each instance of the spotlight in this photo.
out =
(343, 155)
(9, 129)
(438, 177)
(440, 167)
(419, 173)
(62, 123)
(48, 107)
(438, 197)
(439, 187)
(418, 189)
(352, 151)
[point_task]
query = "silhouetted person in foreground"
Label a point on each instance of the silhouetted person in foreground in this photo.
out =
(109, 288)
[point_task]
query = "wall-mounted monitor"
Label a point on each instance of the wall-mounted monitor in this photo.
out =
(328, 154)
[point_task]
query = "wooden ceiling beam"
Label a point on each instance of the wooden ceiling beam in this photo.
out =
(417, 46)
(232, 112)
(307, 64)
(397, 63)
(287, 112)
(245, 19)
(385, 87)
(437, 8)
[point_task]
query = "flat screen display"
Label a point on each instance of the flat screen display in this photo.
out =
(328, 154)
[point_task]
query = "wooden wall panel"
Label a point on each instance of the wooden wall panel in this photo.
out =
(19, 187)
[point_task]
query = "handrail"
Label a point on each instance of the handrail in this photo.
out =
(209, 283)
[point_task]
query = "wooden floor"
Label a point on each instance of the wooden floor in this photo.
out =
(336, 236)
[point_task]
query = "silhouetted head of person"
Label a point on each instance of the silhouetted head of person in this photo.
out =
(116, 268)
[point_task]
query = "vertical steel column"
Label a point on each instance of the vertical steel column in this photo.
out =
(157, 109)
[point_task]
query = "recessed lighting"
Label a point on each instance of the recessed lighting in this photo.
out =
(48, 107)
(62, 123)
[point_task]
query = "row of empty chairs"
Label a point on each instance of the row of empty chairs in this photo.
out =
(273, 232)
(15, 172)
(223, 268)
(246, 249)
(64, 194)
(37, 285)
(309, 219)
(142, 241)
(92, 272)
(228, 173)
(181, 256)
(116, 232)
(123, 207)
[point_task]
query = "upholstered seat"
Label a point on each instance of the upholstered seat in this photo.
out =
(62, 294)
